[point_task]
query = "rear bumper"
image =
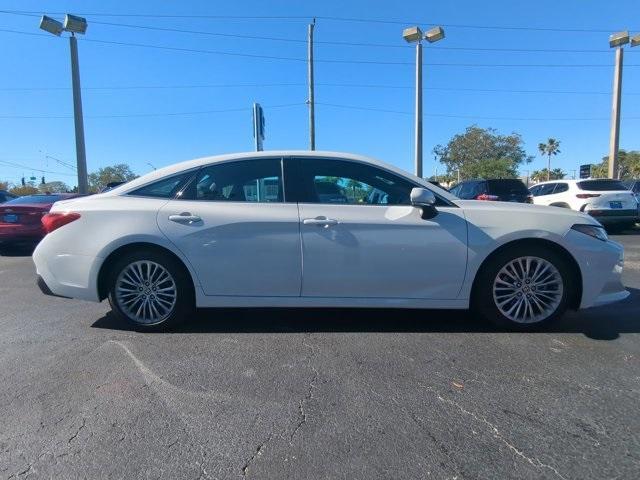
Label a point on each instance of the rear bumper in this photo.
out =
(608, 217)
(20, 233)
(75, 275)
(44, 288)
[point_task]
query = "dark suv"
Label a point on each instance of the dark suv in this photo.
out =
(499, 189)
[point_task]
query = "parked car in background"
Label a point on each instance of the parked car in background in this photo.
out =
(634, 186)
(6, 196)
(262, 229)
(20, 218)
(499, 189)
(607, 200)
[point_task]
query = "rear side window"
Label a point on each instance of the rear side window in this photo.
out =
(601, 185)
(166, 188)
(507, 187)
(253, 180)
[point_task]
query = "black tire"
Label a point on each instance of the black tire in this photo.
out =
(483, 302)
(183, 305)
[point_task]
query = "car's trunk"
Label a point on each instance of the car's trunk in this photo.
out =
(23, 214)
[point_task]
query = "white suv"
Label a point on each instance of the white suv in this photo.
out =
(607, 200)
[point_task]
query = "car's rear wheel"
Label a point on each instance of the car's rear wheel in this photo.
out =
(149, 290)
(523, 288)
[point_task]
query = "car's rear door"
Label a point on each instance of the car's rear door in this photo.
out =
(373, 243)
(238, 231)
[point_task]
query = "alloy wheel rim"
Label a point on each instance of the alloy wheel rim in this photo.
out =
(528, 289)
(146, 292)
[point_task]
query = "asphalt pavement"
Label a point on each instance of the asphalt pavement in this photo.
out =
(284, 393)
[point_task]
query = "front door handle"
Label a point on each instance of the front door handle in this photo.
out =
(320, 221)
(185, 218)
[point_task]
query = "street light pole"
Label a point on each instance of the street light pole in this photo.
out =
(73, 24)
(418, 119)
(81, 155)
(414, 34)
(614, 139)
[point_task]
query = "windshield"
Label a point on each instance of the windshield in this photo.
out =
(29, 199)
(602, 185)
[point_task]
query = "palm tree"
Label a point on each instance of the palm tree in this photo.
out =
(552, 147)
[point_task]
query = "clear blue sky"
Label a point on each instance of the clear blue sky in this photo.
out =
(39, 65)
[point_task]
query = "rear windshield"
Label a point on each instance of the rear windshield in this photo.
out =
(602, 185)
(34, 199)
(506, 187)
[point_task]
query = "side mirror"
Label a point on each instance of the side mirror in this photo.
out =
(426, 200)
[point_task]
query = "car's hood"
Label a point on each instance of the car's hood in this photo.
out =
(526, 209)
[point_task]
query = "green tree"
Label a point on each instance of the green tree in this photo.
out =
(53, 187)
(115, 173)
(482, 153)
(21, 190)
(544, 174)
(552, 147)
(628, 165)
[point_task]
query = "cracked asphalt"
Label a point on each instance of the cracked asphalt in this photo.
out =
(281, 393)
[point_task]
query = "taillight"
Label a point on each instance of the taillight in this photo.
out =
(53, 221)
(587, 195)
(486, 196)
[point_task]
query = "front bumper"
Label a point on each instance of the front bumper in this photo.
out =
(601, 266)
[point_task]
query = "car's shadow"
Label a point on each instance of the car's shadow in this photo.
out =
(598, 323)
(18, 250)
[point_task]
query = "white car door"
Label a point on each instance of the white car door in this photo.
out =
(234, 226)
(362, 239)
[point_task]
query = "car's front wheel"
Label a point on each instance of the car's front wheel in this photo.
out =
(150, 290)
(523, 288)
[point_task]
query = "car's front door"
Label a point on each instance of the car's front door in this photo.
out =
(234, 226)
(365, 240)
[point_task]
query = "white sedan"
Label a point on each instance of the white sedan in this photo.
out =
(320, 229)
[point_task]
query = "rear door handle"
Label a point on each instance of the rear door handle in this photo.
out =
(185, 218)
(320, 221)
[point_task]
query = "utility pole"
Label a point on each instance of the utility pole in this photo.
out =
(81, 155)
(614, 139)
(311, 101)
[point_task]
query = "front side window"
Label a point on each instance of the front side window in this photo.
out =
(253, 180)
(561, 187)
(350, 183)
(546, 189)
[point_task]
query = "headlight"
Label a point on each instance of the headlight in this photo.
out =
(592, 230)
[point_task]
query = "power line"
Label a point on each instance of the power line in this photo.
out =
(301, 84)
(159, 114)
(343, 43)
(469, 117)
(333, 61)
(27, 167)
(306, 18)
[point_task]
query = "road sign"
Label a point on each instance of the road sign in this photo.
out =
(258, 125)
(585, 171)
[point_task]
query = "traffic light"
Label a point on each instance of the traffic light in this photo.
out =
(23, 182)
(43, 182)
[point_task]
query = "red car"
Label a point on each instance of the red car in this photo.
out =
(20, 217)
